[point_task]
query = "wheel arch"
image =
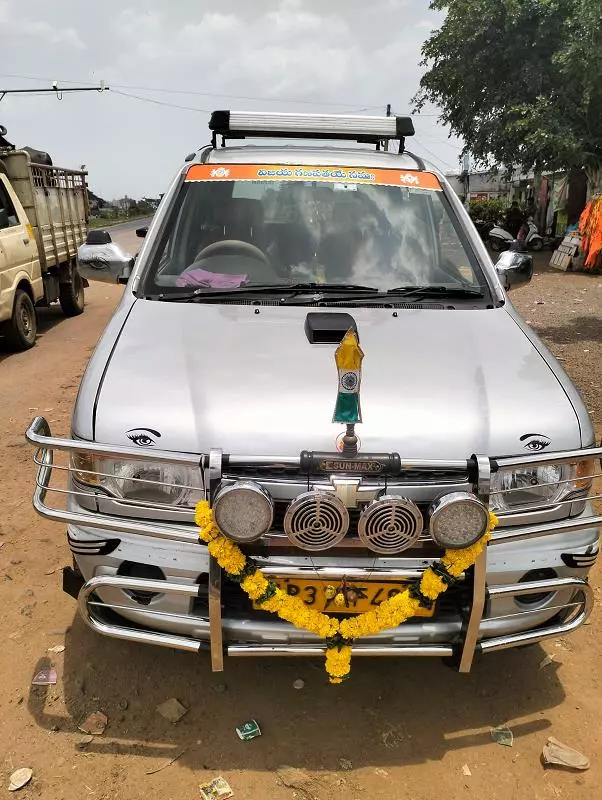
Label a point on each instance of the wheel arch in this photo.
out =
(25, 285)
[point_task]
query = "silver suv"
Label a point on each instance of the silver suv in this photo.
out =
(222, 376)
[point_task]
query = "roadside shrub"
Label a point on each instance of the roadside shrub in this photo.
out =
(488, 210)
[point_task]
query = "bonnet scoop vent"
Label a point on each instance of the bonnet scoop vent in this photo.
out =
(328, 328)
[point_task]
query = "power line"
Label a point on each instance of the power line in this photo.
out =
(212, 94)
(430, 152)
(160, 102)
(356, 106)
(191, 108)
(443, 142)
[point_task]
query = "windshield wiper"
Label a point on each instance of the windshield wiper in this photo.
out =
(332, 292)
(443, 291)
(286, 290)
(322, 288)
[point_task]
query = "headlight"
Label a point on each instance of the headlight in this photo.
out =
(243, 511)
(458, 520)
(141, 482)
(539, 487)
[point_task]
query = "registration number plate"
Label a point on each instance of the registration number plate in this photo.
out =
(365, 595)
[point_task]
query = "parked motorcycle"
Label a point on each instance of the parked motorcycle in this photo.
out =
(483, 227)
(528, 236)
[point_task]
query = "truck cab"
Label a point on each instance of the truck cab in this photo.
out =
(316, 424)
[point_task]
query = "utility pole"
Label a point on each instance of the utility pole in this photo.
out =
(466, 179)
(386, 142)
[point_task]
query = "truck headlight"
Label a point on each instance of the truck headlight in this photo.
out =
(539, 487)
(143, 482)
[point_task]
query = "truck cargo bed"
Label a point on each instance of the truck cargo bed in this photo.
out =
(56, 202)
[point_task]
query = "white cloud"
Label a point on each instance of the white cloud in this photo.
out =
(46, 33)
(17, 25)
(364, 54)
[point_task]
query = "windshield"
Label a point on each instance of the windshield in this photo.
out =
(263, 225)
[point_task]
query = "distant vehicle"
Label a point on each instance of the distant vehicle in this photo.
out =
(528, 235)
(43, 221)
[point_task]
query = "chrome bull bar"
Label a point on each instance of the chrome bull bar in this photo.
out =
(92, 609)
(39, 435)
(479, 468)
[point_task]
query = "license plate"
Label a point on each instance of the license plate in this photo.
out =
(365, 595)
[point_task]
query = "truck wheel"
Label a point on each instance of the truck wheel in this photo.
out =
(20, 331)
(71, 295)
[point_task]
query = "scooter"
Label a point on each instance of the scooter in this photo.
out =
(528, 236)
(483, 228)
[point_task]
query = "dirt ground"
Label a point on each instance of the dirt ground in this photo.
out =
(399, 729)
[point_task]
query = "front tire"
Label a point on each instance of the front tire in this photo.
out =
(21, 330)
(495, 245)
(537, 245)
(71, 295)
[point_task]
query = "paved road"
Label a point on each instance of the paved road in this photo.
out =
(124, 227)
(125, 233)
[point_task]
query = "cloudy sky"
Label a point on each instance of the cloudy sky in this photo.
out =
(188, 57)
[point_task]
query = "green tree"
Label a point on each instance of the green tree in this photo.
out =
(520, 81)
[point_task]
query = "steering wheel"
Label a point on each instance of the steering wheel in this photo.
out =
(234, 247)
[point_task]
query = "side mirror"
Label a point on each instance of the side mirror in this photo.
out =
(101, 259)
(514, 268)
(141, 232)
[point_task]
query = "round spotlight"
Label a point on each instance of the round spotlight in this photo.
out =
(243, 511)
(390, 525)
(458, 520)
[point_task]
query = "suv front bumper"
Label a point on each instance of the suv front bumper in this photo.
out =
(184, 615)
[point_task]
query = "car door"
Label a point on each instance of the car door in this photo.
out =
(17, 248)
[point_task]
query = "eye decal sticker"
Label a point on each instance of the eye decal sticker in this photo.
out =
(143, 437)
(535, 441)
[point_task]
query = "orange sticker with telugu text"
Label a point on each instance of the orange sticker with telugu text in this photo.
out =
(329, 174)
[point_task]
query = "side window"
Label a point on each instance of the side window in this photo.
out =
(8, 215)
(453, 252)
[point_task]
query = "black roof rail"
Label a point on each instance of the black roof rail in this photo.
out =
(419, 162)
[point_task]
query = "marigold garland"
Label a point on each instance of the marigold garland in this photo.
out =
(339, 634)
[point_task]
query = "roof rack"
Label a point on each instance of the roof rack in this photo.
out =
(367, 130)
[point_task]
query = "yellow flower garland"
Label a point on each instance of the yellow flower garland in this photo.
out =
(339, 633)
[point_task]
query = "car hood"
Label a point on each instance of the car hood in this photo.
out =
(435, 383)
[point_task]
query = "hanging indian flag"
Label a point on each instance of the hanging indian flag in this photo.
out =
(348, 358)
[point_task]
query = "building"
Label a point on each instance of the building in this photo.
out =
(559, 201)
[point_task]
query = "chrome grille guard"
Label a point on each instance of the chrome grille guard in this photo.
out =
(477, 470)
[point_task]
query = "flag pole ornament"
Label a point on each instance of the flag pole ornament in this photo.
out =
(348, 358)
